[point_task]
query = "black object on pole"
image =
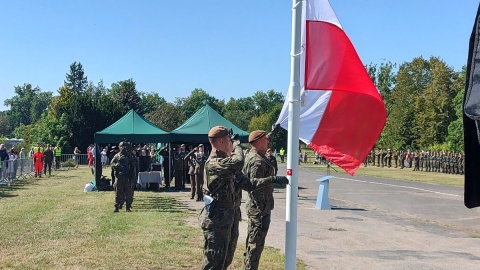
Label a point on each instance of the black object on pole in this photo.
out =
(471, 119)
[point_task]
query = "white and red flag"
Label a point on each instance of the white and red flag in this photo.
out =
(343, 113)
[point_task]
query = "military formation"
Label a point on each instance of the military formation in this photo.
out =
(426, 161)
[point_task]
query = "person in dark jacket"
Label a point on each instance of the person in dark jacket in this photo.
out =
(48, 160)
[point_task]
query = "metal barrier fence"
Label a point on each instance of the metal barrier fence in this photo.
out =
(11, 170)
(80, 159)
(15, 169)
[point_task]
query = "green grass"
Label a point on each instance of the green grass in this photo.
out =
(50, 223)
(401, 174)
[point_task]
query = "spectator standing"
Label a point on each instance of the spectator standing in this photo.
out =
(38, 162)
(22, 157)
(76, 156)
(282, 154)
(48, 160)
(58, 154)
(90, 158)
(104, 157)
(11, 166)
(3, 160)
(166, 166)
(30, 159)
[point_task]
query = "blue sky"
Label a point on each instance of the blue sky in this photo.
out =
(228, 48)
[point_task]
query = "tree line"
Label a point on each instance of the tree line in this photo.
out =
(423, 99)
(79, 108)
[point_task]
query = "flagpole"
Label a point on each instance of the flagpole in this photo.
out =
(293, 139)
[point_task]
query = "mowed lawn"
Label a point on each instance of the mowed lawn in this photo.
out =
(50, 223)
(408, 174)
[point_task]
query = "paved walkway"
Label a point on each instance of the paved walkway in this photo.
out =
(377, 224)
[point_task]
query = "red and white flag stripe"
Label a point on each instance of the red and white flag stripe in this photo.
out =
(343, 114)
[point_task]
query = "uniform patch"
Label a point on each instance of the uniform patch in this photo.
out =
(258, 164)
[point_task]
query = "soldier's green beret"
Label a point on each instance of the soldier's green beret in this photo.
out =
(255, 135)
(218, 132)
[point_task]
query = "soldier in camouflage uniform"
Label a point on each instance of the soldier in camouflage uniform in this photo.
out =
(260, 201)
(383, 157)
(416, 161)
(226, 158)
(401, 159)
(422, 161)
(462, 164)
(388, 158)
(124, 168)
(244, 183)
(442, 161)
(437, 161)
(426, 159)
(376, 160)
(395, 158)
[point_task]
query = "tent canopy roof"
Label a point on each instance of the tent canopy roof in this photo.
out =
(134, 128)
(196, 128)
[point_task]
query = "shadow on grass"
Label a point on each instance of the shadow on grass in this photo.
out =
(158, 204)
(6, 192)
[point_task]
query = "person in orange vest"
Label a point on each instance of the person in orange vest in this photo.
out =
(38, 162)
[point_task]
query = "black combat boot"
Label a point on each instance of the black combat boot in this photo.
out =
(116, 209)
(129, 208)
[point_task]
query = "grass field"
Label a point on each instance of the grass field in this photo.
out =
(395, 173)
(50, 223)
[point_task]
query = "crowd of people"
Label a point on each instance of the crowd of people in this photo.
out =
(427, 161)
(39, 160)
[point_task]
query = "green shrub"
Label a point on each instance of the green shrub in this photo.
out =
(70, 163)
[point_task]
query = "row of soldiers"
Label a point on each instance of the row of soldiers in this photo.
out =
(428, 161)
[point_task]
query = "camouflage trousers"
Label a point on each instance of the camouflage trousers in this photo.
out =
(232, 246)
(257, 232)
(123, 192)
(217, 228)
(196, 187)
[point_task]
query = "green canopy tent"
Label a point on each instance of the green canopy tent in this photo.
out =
(131, 127)
(196, 128)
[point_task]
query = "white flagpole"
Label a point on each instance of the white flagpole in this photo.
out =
(293, 139)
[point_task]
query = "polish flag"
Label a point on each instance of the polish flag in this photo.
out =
(342, 112)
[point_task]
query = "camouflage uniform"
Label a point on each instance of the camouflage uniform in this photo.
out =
(383, 157)
(259, 206)
(388, 158)
(242, 183)
(197, 161)
(217, 224)
(416, 161)
(395, 158)
(124, 178)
